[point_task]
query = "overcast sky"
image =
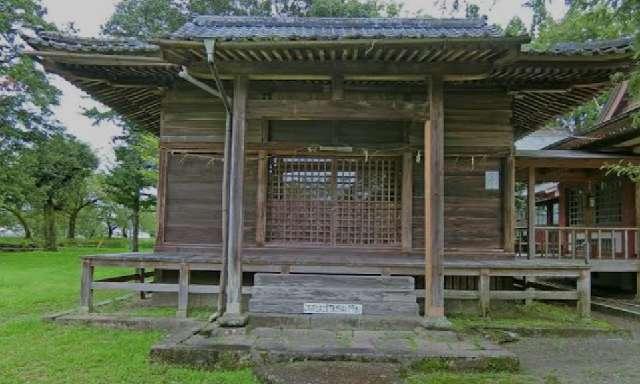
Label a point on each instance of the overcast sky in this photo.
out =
(88, 15)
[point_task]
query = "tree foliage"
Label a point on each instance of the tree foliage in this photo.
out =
(56, 167)
(151, 18)
(26, 96)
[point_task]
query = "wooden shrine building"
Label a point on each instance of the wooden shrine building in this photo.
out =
(336, 147)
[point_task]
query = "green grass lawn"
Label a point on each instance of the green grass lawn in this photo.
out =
(31, 351)
(535, 315)
(33, 284)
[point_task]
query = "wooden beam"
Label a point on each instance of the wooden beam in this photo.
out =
(509, 219)
(162, 195)
(335, 109)
(183, 291)
(236, 193)
(434, 200)
(359, 68)
(531, 205)
(407, 202)
(261, 200)
(584, 293)
(484, 287)
(86, 291)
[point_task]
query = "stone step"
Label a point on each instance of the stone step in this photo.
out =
(275, 345)
(334, 322)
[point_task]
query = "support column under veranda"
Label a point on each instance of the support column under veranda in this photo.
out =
(434, 204)
(233, 315)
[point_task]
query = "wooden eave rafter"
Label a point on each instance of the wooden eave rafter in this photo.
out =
(543, 86)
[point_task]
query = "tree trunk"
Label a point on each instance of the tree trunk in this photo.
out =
(124, 233)
(110, 229)
(49, 226)
(135, 223)
(71, 229)
(23, 223)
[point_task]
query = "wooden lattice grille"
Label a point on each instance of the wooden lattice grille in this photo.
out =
(334, 201)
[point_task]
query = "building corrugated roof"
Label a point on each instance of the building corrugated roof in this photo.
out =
(313, 28)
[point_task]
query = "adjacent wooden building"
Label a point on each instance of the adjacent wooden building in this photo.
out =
(336, 146)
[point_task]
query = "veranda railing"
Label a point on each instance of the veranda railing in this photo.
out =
(600, 243)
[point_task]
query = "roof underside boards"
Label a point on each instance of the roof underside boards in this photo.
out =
(125, 74)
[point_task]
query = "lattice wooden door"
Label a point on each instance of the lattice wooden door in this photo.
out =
(334, 201)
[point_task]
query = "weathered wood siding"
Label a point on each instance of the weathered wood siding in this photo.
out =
(478, 134)
(192, 115)
(477, 123)
(194, 199)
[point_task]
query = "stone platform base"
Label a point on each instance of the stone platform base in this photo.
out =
(228, 348)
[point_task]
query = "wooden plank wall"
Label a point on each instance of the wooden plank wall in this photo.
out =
(190, 114)
(476, 123)
(194, 199)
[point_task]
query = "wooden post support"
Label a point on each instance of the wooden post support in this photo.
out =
(531, 204)
(141, 278)
(261, 200)
(637, 220)
(86, 292)
(484, 286)
(407, 202)
(509, 218)
(233, 315)
(638, 286)
(434, 200)
(183, 291)
(528, 284)
(584, 293)
(162, 196)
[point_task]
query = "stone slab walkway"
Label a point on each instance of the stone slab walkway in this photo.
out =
(272, 345)
(322, 372)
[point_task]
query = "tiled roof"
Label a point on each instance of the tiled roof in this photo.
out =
(312, 28)
(592, 47)
(69, 43)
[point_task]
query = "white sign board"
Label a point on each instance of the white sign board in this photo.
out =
(340, 309)
(492, 180)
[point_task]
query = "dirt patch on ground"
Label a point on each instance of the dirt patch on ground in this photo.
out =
(317, 372)
(593, 360)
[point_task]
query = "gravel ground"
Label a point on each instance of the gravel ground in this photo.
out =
(592, 360)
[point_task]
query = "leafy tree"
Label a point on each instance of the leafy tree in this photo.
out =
(56, 166)
(516, 27)
(79, 197)
(128, 183)
(25, 92)
(152, 18)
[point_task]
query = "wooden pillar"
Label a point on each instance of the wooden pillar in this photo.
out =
(261, 200)
(233, 316)
(434, 200)
(509, 218)
(86, 292)
(484, 286)
(637, 221)
(407, 202)
(584, 293)
(531, 204)
(638, 286)
(183, 291)
(163, 161)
